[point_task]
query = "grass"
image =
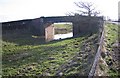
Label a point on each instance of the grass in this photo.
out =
(112, 34)
(30, 60)
(25, 55)
(63, 28)
(111, 31)
(102, 67)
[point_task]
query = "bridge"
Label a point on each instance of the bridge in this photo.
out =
(43, 26)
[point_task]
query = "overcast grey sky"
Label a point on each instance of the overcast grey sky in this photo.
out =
(11, 10)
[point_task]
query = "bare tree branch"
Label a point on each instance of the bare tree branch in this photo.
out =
(70, 13)
(82, 12)
(88, 7)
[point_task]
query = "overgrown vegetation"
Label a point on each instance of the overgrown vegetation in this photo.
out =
(111, 35)
(24, 55)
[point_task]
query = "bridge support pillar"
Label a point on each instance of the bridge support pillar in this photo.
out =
(49, 32)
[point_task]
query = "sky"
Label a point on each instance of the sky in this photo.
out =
(11, 10)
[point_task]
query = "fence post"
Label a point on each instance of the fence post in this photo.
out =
(98, 54)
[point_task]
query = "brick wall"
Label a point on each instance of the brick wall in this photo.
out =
(49, 32)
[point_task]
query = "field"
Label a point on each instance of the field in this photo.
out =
(63, 28)
(27, 55)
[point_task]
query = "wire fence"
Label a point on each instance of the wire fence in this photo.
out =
(98, 54)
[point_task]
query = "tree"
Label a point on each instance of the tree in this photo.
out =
(86, 8)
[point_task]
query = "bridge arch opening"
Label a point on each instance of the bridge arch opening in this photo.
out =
(63, 30)
(57, 31)
(81, 25)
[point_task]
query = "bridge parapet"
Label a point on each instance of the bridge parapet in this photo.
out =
(81, 24)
